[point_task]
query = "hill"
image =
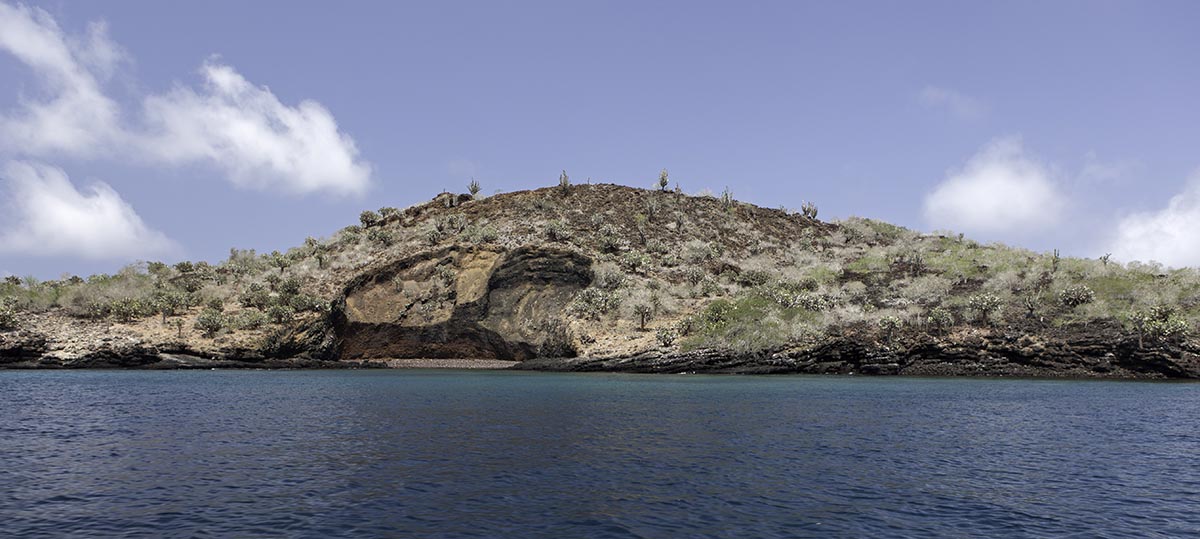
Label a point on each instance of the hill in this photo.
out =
(606, 277)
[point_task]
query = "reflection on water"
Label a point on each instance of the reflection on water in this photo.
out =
(486, 454)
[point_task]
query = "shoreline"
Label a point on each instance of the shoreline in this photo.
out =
(471, 364)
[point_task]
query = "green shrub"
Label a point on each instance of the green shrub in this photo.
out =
(592, 303)
(255, 296)
(888, 325)
(940, 318)
(381, 237)
(289, 286)
(753, 278)
(693, 274)
(210, 322)
(643, 312)
(1160, 323)
(610, 239)
(741, 326)
(8, 313)
(170, 303)
(984, 305)
(481, 234)
(663, 180)
(635, 262)
(248, 319)
(809, 210)
(473, 188)
(129, 309)
(666, 336)
(304, 302)
(281, 314)
(608, 279)
(564, 183)
(369, 218)
(558, 231)
(1074, 296)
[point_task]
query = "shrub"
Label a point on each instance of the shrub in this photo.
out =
(984, 305)
(592, 303)
(279, 260)
(663, 180)
(482, 234)
(558, 231)
(473, 188)
(940, 318)
(635, 262)
(694, 274)
(369, 218)
(289, 286)
(666, 336)
(564, 183)
(753, 278)
(1074, 296)
(281, 314)
(305, 302)
(889, 325)
(1160, 323)
(809, 210)
(210, 322)
(215, 304)
(387, 212)
(248, 319)
(169, 303)
(381, 237)
(643, 312)
(8, 313)
(128, 309)
(608, 279)
(255, 296)
(610, 239)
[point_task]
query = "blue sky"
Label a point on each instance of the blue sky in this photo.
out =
(169, 130)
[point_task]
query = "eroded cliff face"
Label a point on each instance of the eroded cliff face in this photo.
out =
(459, 302)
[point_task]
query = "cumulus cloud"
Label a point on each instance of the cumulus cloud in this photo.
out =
(961, 106)
(1000, 190)
(74, 116)
(1168, 235)
(228, 123)
(258, 140)
(50, 217)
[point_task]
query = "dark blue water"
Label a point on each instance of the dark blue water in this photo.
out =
(494, 454)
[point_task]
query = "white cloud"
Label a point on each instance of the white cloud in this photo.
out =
(50, 217)
(246, 130)
(1000, 190)
(75, 116)
(229, 123)
(1168, 235)
(961, 106)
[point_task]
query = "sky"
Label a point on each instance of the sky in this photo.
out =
(146, 130)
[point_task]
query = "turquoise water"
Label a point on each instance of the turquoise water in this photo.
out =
(504, 454)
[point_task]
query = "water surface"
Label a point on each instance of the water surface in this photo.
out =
(487, 454)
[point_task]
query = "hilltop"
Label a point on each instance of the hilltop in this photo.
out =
(607, 277)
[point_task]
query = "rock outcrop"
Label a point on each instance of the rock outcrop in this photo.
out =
(459, 303)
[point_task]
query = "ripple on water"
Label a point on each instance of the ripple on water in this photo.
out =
(487, 454)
